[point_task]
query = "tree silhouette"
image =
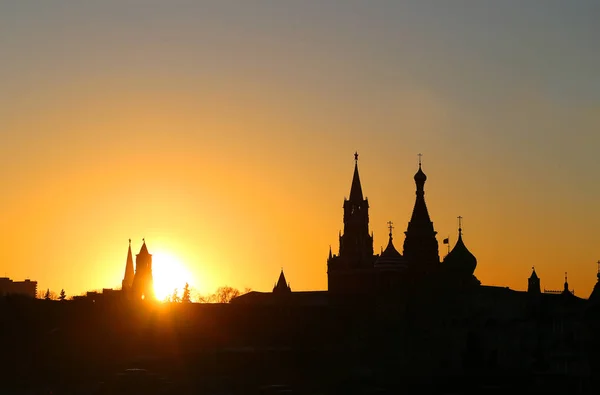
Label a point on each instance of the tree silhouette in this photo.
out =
(175, 298)
(222, 295)
(47, 294)
(62, 296)
(186, 298)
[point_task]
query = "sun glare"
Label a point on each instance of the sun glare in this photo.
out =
(168, 274)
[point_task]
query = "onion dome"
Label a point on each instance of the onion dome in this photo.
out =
(420, 176)
(390, 257)
(460, 259)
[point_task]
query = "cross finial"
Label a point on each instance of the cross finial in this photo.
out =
(356, 156)
(130, 242)
(143, 240)
(533, 268)
(419, 155)
(390, 227)
(459, 223)
(565, 276)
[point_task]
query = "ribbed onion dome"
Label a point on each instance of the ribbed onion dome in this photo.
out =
(390, 257)
(460, 259)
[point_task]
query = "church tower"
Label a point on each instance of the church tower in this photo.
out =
(143, 284)
(356, 245)
(352, 269)
(420, 244)
(533, 283)
(129, 274)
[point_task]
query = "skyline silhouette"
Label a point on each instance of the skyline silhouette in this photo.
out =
(222, 132)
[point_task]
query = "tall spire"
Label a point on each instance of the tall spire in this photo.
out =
(420, 245)
(356, 243)
(356, 194)
(129, 273)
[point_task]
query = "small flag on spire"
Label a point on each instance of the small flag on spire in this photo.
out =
(446, 241)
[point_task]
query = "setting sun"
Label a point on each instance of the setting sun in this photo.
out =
(169, 274)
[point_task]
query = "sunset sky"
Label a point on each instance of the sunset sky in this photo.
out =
(223, 133)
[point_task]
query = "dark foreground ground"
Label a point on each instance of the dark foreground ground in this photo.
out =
(71, 348)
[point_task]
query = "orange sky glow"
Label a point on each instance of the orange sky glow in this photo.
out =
(230, 149)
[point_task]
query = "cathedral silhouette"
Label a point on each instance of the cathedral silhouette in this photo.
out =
(355, 272)
(356, 269)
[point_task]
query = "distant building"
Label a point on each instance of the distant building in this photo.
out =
(107, 294)
(10, 287)
(139, 285)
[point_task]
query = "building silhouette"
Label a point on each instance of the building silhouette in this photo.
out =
(26, 288)
(356, 269)
(139, 285)
(432, 316)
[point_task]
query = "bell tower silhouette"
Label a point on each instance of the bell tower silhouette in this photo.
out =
(356, 244)
(143, 283)
(352, 269)
(420, 244)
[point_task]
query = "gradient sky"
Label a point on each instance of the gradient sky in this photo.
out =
(222, 132)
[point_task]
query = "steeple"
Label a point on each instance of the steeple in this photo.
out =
(420, 244)
(533, 283)
(566, 285)
(282, 286)
(356, 244)
(144, 249)
(391, 258)
(129, 273)
(143, 283)
(356, 194)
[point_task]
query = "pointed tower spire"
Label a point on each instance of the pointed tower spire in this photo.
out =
(129, 273)
(533, 283)
(356, 243)
(356, 194)
(282, 285)
(420, 244)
